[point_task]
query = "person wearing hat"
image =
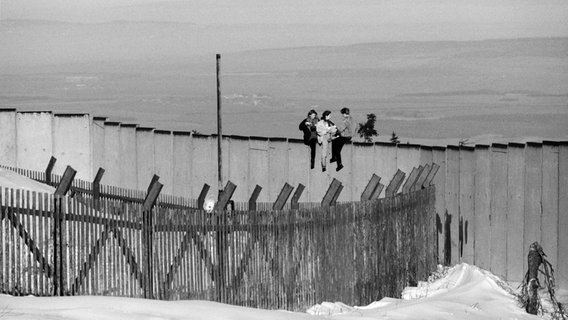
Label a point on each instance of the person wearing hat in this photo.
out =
(308, 126)
(325, 130)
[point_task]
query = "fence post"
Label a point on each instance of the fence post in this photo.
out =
(282, 197)
(147, 237)
(202, 195)
(395, 183)
(222, 253)
(49, 169)
(296, 197)
(421, 178)
(254, 197)
(414, 174)
(330, 195)
(370, 188)
(97, 188)
(431, 175)
(377, 191)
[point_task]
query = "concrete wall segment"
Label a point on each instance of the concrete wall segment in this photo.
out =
(128, 155)
(34, 139)
(72, 145)
(9, 155)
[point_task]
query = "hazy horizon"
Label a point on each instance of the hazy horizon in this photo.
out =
(443, 70)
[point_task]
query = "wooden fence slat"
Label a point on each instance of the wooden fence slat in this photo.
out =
(451, 245)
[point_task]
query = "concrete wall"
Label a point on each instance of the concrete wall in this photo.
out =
(9, 154)
(34, 140)
(492, 201)
(72, 145)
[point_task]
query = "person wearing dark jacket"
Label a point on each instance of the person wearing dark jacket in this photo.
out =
(346, 130)
(308, 126)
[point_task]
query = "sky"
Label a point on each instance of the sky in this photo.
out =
(388, 19)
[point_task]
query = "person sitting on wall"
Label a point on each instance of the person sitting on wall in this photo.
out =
(345, 130)
(326, 129)
(308, 126)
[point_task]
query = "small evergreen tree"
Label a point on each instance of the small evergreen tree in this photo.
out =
(367, 130)
(394, 138)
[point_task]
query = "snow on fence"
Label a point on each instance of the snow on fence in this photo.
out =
(351, 252)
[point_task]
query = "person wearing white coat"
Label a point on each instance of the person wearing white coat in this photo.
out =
(326, 130)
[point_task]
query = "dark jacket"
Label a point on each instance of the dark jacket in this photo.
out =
(308, 126)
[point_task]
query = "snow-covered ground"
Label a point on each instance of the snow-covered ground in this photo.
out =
(461, 292)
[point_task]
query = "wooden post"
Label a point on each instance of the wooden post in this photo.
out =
(433, 170)
(147, 237)
(282, 197)
(409, 183)
(331, 191)
(49, 169)
(202, 195)
(58, 240)
(225, 196)
(336, 195)
(66, 181)
(395, 183)
(421, 178)
(155, 179)
(296, 196)
(219, 126)
(377, 191)
(254, 197)
(370, 188)
(97, 187)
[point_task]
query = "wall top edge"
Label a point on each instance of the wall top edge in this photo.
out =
(499, 145)
(481, 146)
(112, 123)
(199, 135)
(71, 115)
(181, 133)
(563, 143)
(453, 147)
(427, 148)
(128, 125)
(534, 144)
(467, 148)
(7, 110)
(516, 145)
(408, 145)
(100, 118)
(362, 144)
(32, 112)
(144, 129)
(280, 139)
(237, 137)
(258, 138)
(166, 132)
(385, 144)
(550, 143)
(438, 148)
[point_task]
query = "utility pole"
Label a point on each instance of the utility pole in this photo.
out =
(219, 127)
